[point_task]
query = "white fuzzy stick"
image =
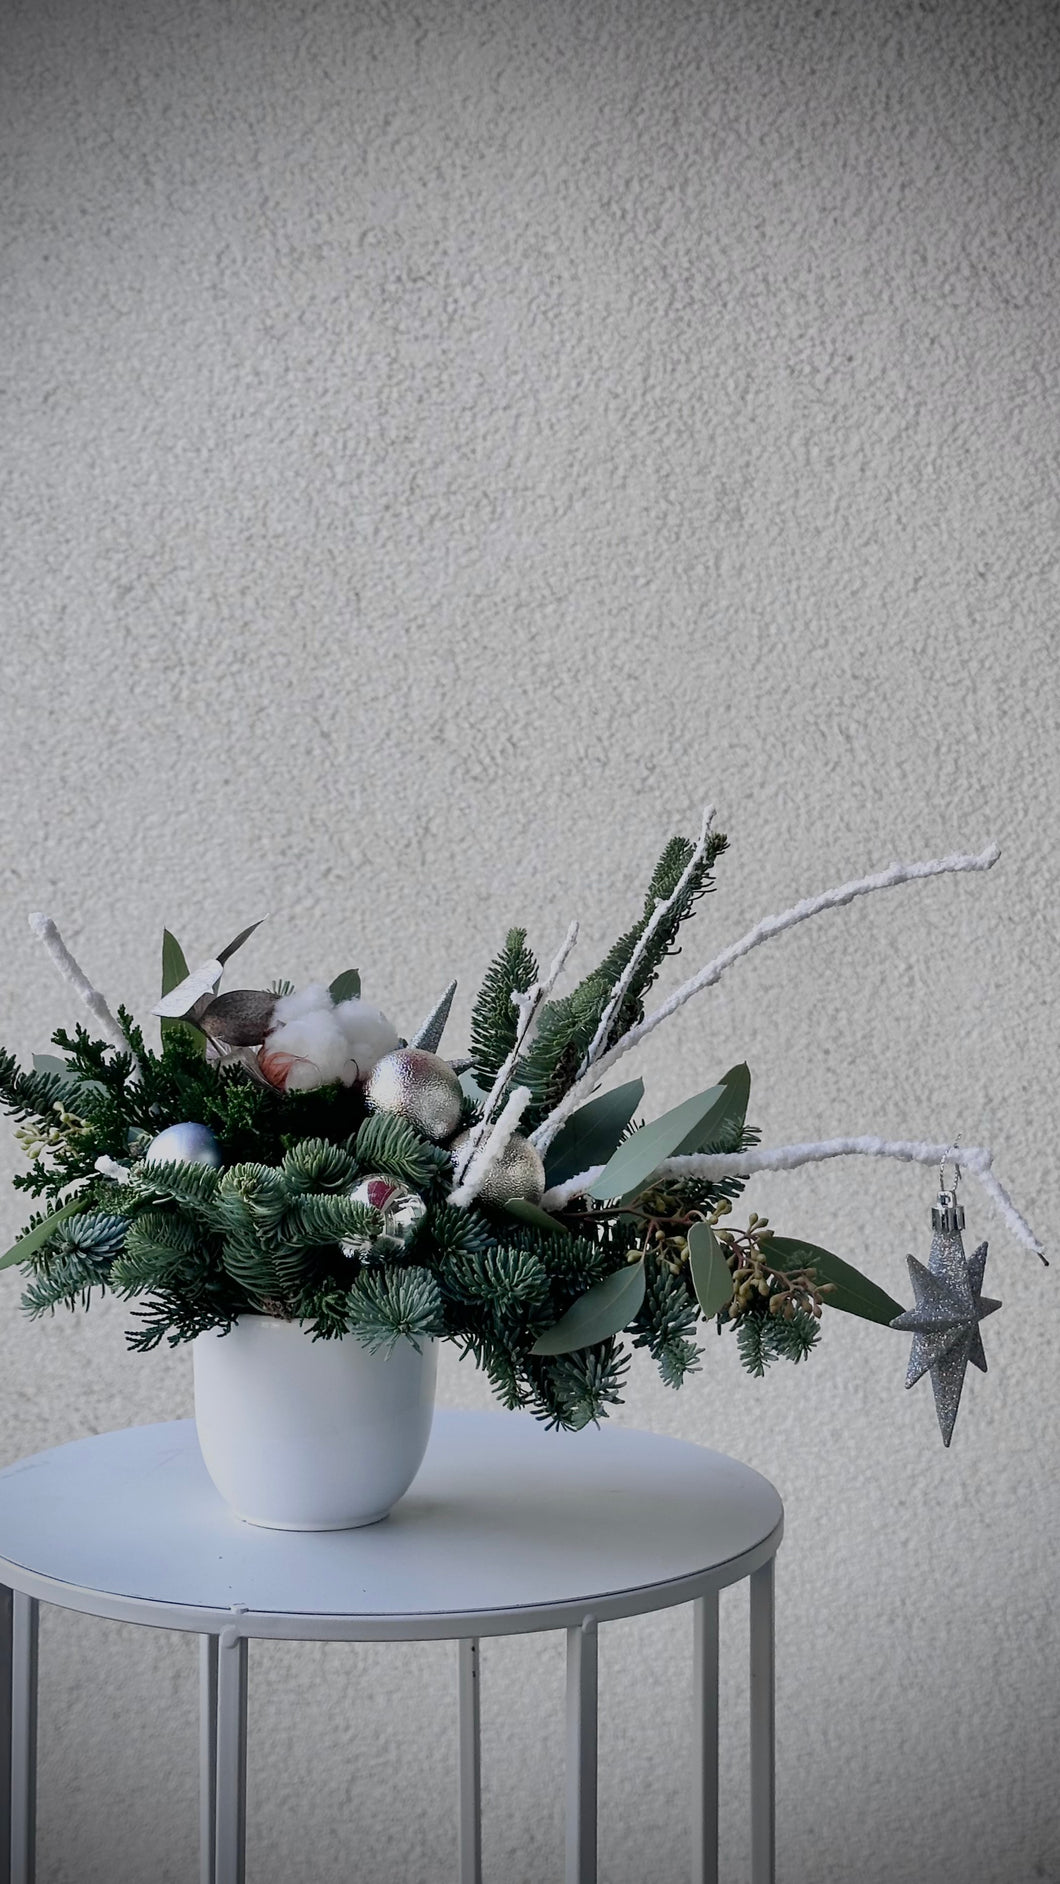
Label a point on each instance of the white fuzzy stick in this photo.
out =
(714, 1165)
(762, 932)
(663, 906)
(486, 1156)
(45, 929)
(528, 1005)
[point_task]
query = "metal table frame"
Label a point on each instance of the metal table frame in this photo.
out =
(224, 1639)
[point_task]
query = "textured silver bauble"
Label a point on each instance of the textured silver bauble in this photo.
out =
(420, 1087)
(186, 1143)
(517, 1176)
(402, 1211)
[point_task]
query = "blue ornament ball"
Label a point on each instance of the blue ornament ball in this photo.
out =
(186, 1143)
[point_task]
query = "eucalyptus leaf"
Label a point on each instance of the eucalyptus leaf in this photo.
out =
(174, 963)
(683, 1130)
(602, 1311)
(175, 971)
(51, 1064)
(34, 1238)
(346, 987)
(854, 1293)
(593, 1133)
(527, 1212)
(243, 936)
(711, 1275)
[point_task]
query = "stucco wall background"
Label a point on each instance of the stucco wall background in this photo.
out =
(445, 443)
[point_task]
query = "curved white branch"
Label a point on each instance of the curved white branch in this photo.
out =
(44, 928)
(762, 932)
(713, 1165)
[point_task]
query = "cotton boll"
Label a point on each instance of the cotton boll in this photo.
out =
(310, 1050)
(312, 999)
(368, 1033)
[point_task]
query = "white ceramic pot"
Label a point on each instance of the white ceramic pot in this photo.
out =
(304, 1435)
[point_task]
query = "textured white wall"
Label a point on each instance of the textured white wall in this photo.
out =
(445, 442)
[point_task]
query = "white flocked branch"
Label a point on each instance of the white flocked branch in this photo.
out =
(491, 1149)
(44, 928)
(762, 932)
(714, 1165)
(663, 906)
(488, 1139)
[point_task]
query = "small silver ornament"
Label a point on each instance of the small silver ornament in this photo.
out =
(517, 1176)
(950, 1305)
(420, 1087)
(402, 1211)
(186, 1143)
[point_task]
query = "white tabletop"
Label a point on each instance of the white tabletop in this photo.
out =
(508, 1527)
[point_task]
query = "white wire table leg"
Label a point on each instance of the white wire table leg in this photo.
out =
(763, 1728)
(230, 1802)
(705, 1739)
(581, 1753)
(6, 1613)
(470, 1825)
(207, 1759)
(25, 1623)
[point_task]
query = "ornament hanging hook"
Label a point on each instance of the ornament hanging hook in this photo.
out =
(947, 1213)
(956, 1167)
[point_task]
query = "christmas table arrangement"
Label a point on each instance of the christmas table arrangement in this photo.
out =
(312, 1201)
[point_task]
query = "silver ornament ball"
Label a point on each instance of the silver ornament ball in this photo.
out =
(402, 1211)
(186, 1143)
(518, 1175)
(419, 1087)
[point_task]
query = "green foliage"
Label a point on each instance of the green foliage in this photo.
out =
(314, 1165)
(566, 1027)
(664, 1322)
(390, 1145)
(763, 1338)
(275, 1230)
(383, 1305)
(494, 1019)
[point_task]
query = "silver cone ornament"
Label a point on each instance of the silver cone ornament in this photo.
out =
(949, 1307)
(419, 1087)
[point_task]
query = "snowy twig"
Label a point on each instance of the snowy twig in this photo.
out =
(44, 928)
(481, 1163)
(528, 1005)
(714, 1165)
(110, 1168)
(662, 909)
(762, 932)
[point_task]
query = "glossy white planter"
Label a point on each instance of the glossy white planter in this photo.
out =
(303, 1435)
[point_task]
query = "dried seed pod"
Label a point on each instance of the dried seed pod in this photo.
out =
(239, 1019)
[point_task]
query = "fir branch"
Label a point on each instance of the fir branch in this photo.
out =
(314, 1165)
(392, 1146)
(494, 1021)
(384, 1307)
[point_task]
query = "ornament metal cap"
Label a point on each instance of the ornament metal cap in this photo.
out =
(947, 1214)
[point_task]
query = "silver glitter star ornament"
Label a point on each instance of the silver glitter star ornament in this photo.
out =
(949, 1307)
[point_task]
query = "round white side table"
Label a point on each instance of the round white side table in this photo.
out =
(508, 1528)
